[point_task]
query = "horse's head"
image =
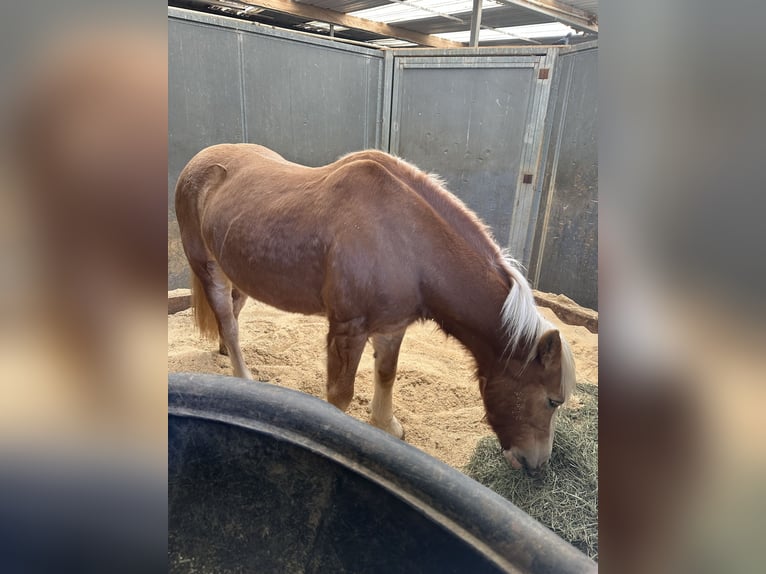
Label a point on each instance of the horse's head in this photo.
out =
(522, 395)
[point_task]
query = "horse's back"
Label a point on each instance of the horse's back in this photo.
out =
(230, 156)
(291, 235)
(353, 232)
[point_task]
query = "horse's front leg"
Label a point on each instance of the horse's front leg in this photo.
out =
(345, 343)
(386, 358)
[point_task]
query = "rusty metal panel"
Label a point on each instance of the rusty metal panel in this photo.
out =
(565, 258)
(477, 122)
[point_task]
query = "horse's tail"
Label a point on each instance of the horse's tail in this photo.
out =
(195, 181)
(202, 311)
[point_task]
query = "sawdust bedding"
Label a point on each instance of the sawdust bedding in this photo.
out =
(436, 396)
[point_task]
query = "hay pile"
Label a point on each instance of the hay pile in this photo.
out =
(565, 496)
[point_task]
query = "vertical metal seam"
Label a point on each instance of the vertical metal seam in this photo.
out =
(542, 162)
(396, 88)
(559, 128)
(519, 230)
(366, 130)
(242, 92)
(386, 111)
(515, 214)
(537, 151)
(379, 104)
(543, 103)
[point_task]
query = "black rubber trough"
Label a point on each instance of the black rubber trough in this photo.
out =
(266, 479)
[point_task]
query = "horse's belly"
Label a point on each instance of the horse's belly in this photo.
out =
(268, 260)
(283, 288)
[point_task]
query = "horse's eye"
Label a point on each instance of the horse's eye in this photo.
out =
(554, 403)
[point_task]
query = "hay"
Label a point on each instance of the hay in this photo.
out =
(565, 496)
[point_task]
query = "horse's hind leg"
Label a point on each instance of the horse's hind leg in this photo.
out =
(386, 359)
(219, 294)
(345, 343)
(238, 300)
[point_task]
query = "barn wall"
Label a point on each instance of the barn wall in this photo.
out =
(517, 145)
(309, 99)
(565, 254)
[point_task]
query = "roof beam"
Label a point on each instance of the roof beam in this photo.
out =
(341, 19)
(562, 12)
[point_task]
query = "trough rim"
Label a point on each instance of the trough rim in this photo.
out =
(506, 536)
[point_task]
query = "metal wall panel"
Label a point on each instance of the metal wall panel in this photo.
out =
(477, 122)
(204, 108)
(565, 258)
(308, 102)
(307, 98)
(480, 120)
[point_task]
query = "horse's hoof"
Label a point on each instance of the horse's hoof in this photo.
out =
(394, 427)
(223, 350)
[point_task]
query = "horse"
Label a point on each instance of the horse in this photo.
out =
(374, 244)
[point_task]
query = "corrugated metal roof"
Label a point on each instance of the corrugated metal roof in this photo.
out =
(495, 18)
(346, 6)
(500, 18)
(587, 5)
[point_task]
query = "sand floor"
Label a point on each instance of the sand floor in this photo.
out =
(436, 397)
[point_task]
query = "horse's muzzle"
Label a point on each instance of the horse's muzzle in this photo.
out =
(512, 460)
(533, 472)
(519, 461)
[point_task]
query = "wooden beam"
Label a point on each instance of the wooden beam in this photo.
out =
(561, 11)
(178, 300)
(341, 19)
(567, 310)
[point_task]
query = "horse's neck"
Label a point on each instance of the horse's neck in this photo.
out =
(466, 302)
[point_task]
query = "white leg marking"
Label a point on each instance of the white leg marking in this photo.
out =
(386, 357)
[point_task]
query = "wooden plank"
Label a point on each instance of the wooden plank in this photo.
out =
(567, 310)
(178, 300)
(561, 11)
(341, 19)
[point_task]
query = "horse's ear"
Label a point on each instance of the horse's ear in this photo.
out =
(549, 349)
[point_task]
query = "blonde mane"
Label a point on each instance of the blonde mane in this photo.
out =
(525, 326)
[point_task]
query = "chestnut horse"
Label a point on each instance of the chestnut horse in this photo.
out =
(374, 244)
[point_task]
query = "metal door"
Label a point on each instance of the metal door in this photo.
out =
(477, 121)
